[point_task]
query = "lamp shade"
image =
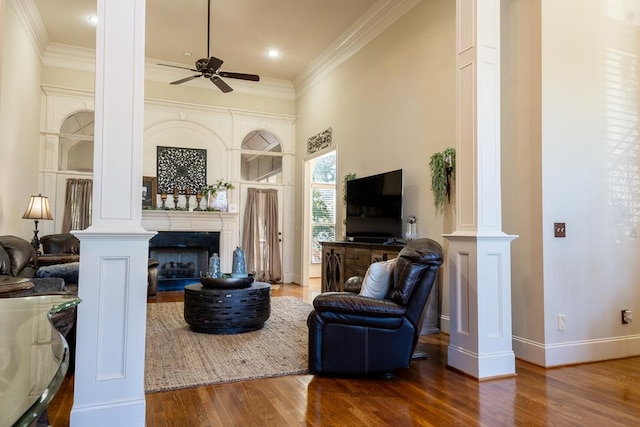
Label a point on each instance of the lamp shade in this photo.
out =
(38, 208)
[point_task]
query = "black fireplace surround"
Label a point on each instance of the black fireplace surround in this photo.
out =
(182, 255)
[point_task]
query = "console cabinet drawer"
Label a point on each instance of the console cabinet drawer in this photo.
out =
(378, 255)
(358, 257)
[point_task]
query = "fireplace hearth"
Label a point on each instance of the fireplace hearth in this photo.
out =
(182, 256)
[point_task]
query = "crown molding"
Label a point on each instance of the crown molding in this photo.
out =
(83, 59)
(30, 19)
(84, 94)
(71, 57)
(378, 18)
(67, 92)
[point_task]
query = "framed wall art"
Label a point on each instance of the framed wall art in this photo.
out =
(149, 191)
(181, 168)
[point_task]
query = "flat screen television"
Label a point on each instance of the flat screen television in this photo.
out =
(374, 208)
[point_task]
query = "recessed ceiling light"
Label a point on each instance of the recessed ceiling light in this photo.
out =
(273, 53)
(186, 53)
(93, 20)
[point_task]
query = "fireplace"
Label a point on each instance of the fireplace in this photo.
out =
(182, 256)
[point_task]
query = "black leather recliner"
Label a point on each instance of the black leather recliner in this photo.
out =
(352, 334)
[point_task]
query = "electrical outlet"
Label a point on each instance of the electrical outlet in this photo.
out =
(559, 229)
(562, 322)
(627, 317)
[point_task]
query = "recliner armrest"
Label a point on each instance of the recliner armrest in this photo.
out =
(358, 311)
(349, 303)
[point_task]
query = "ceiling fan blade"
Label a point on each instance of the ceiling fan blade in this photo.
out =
(176, 66)
(186, 79)
(214, 63)
(241, 76)
(221, 84)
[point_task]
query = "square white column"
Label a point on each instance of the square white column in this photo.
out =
(111, 321)
(479, 260)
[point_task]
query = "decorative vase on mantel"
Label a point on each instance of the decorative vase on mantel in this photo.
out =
(220, 201)
(216, 195)
(211, 198)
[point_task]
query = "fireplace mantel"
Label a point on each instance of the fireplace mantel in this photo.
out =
(226, 223)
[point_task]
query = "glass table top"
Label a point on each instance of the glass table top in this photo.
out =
(34, 357)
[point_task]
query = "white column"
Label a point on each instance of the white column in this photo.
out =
(111, 323)
(479, 252)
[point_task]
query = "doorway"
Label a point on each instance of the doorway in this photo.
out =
(264, 241)
(319, 212)
(261, 162)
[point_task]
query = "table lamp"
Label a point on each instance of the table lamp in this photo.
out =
(38, 209)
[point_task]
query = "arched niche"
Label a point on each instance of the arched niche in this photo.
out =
(75, 142)
(185, 134)
(261, 157)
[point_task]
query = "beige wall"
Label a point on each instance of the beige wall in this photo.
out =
(19, 125)
(590, 117)
(391, 106)
(570, 111)
(521, 163)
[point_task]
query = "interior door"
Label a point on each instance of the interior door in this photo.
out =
(243, 201)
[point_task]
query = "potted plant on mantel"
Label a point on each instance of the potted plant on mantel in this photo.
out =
(215, 195)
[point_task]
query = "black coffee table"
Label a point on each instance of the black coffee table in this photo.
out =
(227, 311)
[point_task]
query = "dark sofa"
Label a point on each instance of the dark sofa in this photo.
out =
(18, 268)
(63, 248)
(17, 258)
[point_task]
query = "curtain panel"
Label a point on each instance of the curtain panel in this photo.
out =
(77, 204)
(261, 239)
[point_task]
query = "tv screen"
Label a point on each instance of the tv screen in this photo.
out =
(374, 207)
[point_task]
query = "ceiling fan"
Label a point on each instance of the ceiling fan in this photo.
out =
(210, 67)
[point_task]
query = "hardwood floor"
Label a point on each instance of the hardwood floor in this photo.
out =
(425, 394)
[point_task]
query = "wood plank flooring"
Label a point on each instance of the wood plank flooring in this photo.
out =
(425, 394)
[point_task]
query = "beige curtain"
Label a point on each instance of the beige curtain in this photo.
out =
(77, 204)
(260, 239)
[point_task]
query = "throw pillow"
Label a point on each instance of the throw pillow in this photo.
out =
(378, 280)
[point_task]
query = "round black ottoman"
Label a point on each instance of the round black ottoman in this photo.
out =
(227, 311)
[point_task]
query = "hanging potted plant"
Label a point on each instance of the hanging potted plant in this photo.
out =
(443, 168)
(216, 195)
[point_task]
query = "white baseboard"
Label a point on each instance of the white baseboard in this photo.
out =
(573, 352)
(445, 324)
(129, 413)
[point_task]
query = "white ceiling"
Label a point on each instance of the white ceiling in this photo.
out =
(242, 31)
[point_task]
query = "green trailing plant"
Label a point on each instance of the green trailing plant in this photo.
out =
(443, 169)
(347, 177)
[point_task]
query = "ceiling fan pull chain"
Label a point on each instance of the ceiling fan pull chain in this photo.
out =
(208, 28)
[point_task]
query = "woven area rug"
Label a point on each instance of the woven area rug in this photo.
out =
(176, 357)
